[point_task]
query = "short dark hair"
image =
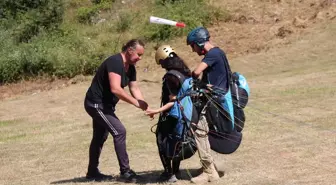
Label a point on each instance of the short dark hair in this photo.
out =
(132, 44)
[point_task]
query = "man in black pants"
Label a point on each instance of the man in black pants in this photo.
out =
(106, 89)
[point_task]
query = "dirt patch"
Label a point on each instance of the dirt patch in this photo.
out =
(31, 87)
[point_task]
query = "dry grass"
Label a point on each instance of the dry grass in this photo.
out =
(289, 138)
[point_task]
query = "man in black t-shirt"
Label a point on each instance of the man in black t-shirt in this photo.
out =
(106, 89)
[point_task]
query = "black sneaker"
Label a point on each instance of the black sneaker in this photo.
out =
(97, 176)
(129, 176)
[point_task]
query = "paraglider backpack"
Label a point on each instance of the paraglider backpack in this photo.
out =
(225, 114)
(228, 115)
(181, 144)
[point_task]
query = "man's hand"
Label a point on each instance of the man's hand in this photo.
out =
(199, 84)
(142, 104)
(199, 69)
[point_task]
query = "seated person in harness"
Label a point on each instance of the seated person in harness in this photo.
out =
(174, 137)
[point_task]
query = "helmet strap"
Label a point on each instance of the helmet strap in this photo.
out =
(202, 48)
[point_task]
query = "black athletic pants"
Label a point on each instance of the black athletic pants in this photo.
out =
(105, 122)
(163, 129)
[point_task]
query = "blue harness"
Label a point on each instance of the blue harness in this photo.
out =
(183, 107)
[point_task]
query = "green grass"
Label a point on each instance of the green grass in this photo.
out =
(12, 138)
(83, 33)
(5, 131)
(5, 123)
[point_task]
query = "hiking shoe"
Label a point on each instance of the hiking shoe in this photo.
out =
(200, 179)
(129, 176)
(206, 177)
(97, 176)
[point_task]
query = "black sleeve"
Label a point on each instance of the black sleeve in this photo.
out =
(132, 73)
(115, 66)
(173, 84)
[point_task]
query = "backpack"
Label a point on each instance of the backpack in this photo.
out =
(225, 114)
(240, 92)
(180, 143)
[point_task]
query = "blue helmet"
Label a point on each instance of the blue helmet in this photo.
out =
(198, 36)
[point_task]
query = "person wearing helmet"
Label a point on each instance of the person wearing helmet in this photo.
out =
(169, 60)
(213, 65)
(215, 72)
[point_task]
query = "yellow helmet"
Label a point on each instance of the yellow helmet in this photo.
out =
(163, 52)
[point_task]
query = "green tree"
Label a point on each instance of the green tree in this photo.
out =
(28, 17)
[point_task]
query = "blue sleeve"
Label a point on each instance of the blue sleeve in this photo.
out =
(210, 59)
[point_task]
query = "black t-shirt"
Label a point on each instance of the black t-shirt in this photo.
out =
(99, 91)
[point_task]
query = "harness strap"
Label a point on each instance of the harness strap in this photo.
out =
(177, 74)
(181, 79)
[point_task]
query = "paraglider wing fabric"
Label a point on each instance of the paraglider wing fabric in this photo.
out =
(225, 143)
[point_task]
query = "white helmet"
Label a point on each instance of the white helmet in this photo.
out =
(164, 52)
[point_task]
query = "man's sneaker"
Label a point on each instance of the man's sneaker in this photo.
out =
(129, 176)
(97, 176)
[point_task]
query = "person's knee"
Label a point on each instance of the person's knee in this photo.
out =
(100, 138)
(121, 132)
(199, 133)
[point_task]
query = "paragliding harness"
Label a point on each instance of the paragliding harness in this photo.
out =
(180, 143)
(224, 113)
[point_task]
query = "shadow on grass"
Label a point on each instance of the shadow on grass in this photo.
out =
(74, 180)
(145, 177)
